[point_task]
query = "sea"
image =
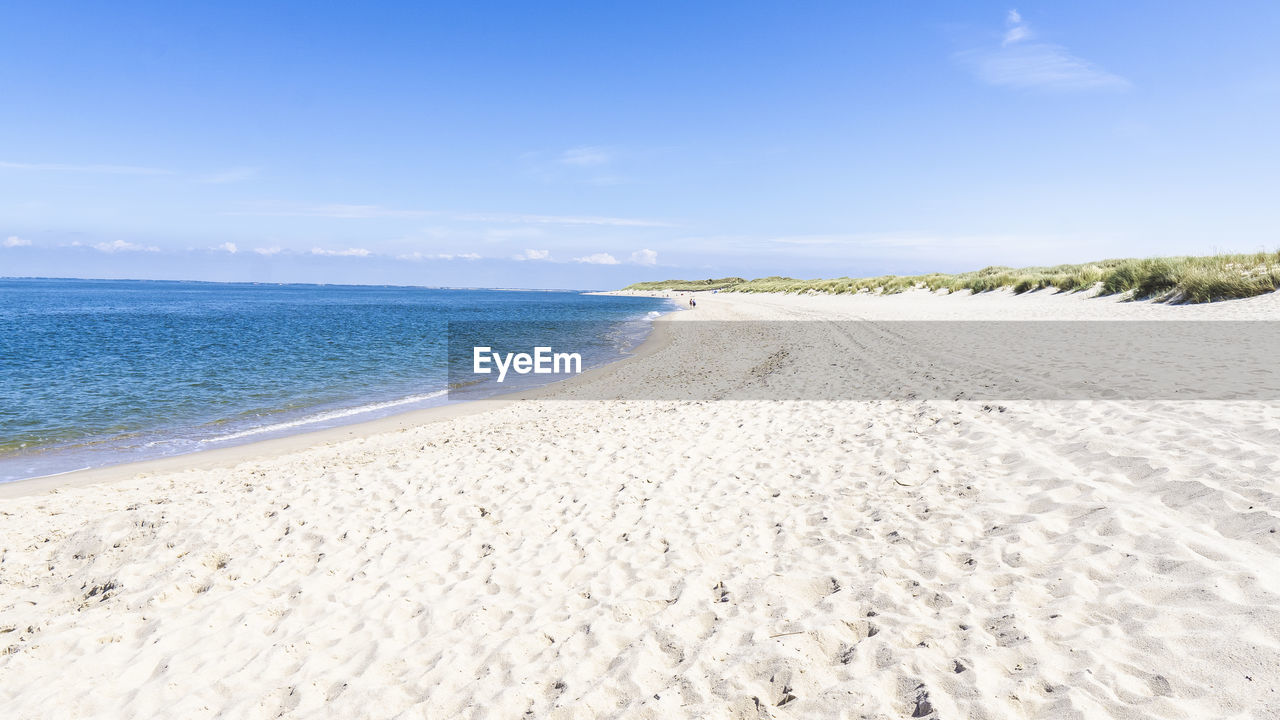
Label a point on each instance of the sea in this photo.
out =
(100, 372)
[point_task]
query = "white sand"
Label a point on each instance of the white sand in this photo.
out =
(580, 558)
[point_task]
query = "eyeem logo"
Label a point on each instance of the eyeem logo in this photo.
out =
(541, 362)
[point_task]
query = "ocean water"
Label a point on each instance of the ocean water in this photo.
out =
(97, 372)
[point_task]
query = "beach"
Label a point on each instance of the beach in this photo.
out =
(605, 548)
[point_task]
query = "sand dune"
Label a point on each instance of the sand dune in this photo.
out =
(563, 557)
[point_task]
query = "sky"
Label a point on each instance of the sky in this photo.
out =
(589, 145)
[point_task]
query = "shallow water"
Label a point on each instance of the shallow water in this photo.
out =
(94, 372)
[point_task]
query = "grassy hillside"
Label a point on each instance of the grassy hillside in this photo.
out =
(1174, 279)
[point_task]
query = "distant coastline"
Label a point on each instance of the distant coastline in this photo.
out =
(287, 284)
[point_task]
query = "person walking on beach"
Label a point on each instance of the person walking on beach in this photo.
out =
(693, 303)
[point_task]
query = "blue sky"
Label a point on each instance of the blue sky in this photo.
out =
(590, 145)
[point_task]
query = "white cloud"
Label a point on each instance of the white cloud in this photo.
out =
(104, 169)
(15, 241)
(438, 256)
(1044, 66)
(1021, 64)
(229, 175)
(228, 247)
(349, 252)
(1016, 30)
(586, 156)
(533, 255)
(123, 246)
(268, 251)
(644, 257)
(598, 259)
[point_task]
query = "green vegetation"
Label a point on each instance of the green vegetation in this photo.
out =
(1174, 279)
(687, 285)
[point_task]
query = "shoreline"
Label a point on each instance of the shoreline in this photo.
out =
(400, 421)
(273, 447)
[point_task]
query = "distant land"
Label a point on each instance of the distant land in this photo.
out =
(1173, 279)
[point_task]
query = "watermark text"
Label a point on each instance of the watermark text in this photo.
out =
(541, 362)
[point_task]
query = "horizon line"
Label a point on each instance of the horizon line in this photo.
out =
(313, 284)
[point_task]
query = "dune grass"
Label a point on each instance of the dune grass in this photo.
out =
(1172, 279)
(687, 285)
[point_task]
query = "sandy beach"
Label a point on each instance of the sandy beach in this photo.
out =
(569, 555)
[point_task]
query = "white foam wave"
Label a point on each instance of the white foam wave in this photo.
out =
(326, 416)
(64, 472)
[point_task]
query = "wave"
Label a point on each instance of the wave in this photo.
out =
(327, 416)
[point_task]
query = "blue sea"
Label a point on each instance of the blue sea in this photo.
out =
(97, 372)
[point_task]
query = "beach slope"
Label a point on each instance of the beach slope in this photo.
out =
(612, 551)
